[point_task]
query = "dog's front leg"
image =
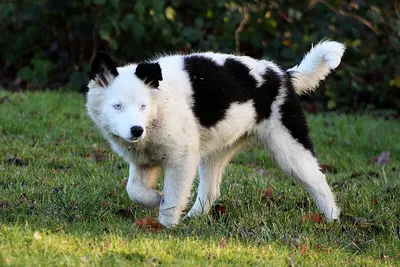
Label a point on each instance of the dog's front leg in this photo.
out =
(178, 180)
(140, 182)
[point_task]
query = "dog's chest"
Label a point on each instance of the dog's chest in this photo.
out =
(149, 154)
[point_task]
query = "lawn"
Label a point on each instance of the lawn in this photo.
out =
(62, 200)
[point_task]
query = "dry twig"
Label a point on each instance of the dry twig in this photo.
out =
(346, 14)
(240, 28)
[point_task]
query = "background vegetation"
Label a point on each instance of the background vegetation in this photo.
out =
(49, 43)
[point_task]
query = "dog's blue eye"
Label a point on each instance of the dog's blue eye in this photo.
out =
(117, 106)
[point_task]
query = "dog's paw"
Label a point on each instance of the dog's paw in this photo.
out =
(154, 199)
(193, 213)
(145, 197)
(332, 214)
(168, 220)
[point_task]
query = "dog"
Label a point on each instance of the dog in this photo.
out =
(184, 113)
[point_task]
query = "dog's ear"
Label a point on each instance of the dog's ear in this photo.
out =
(149, 73)
(103, 70)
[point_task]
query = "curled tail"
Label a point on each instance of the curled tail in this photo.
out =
(316, 65)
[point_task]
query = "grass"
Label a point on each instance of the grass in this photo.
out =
(62, 201)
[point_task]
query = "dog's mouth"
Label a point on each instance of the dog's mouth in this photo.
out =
(129, 140)
(132, 140)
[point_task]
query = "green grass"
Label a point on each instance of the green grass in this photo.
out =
(62, 201)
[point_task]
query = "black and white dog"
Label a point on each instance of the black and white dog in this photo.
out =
(193, 112)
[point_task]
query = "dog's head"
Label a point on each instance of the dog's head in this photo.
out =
(121, 101)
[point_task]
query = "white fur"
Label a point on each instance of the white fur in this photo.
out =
(316, 65)
(176, 141)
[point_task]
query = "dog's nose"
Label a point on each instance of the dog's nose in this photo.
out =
(136, 131)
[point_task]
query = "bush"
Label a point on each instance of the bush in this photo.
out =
(50, 43)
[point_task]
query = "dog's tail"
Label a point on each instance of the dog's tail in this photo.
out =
(316, 65)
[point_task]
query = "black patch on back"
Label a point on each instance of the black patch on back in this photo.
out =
(266, 94)
(101, 63)
(149, 73)
(294, 119)
(216, 87)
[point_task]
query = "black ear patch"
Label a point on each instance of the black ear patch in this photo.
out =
(103, 69)
(149, 73)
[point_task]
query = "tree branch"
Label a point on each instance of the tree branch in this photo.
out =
(346, 14)
(240, 28)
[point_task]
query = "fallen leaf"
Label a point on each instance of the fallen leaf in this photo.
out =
(313, 217)
(90, 157)
(101, 154)
(325, 168)
(101, 157)
(23, 197)
(268, 195)
(303, 249)
(112, 192)
(382, 159)
(17, 161)
(57, 230)
(124, 212)
(106, 246)
(37, 236)
(148, 223)
(223, 243)
(4, 205)
(219, 211)
(124, 182)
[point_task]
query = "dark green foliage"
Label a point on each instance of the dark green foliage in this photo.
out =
(50, 43)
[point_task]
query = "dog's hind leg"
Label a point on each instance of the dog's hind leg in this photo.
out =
(140, 182)
(211, 169)
(290, 147)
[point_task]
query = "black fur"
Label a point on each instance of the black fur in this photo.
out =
(293, 117)
(100, 63)
(216, 87)
(149, 73)
(266, 94)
